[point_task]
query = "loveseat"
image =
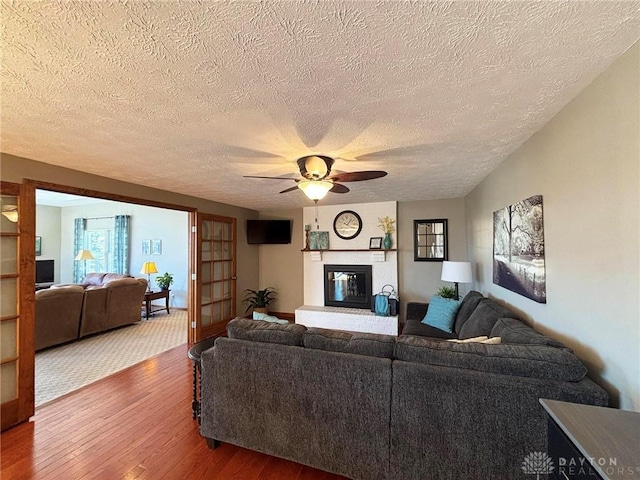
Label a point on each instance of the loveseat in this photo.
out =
(371, 406)
(103, 301)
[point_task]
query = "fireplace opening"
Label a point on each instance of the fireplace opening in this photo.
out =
(347, 286)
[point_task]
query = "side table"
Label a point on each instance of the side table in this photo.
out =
(194, 354)
(149, 296)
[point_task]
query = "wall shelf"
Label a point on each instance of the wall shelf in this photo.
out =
(350, 250)
(376, 255)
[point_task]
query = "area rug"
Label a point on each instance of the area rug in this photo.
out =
(66, 368)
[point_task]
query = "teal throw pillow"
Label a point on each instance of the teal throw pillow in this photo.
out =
(441, 313)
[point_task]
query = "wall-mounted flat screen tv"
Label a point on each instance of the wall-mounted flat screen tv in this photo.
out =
(44, 271)
(268, 231)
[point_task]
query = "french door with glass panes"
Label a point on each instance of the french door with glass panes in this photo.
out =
(215, 281)
(17, 303)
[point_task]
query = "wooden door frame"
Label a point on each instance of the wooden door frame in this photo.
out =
(27, 214)
(20, 409)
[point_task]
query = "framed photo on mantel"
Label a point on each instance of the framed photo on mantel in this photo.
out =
(319, 240)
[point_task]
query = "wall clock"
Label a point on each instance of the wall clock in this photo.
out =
(347, 224)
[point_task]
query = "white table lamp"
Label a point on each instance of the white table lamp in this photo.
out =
(457, 272)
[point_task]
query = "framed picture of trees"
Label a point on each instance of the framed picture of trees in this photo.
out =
(518, 249)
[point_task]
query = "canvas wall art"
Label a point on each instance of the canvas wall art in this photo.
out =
(518, 249)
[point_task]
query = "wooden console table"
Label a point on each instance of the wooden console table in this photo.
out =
(150, 296)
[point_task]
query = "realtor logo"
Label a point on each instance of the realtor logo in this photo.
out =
(537, 463)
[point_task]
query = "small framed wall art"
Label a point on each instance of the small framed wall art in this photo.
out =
(156, 247)
(319, 240)
(146, 247)
(38, 246)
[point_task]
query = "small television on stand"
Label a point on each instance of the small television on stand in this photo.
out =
(44, 273)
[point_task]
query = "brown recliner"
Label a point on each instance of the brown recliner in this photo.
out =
(124, 301)
(58, 315)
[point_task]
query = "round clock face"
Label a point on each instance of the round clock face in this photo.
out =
(347, 224)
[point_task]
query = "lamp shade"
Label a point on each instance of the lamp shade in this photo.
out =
(84, 255)
(148, 268)
(459, 272)
(315, 189)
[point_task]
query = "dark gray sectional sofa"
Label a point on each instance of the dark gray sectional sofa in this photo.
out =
(378, 407)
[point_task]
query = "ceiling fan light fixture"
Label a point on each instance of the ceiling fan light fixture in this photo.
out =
(315, 167)
(315, 189)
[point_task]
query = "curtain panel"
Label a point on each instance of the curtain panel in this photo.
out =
(79, 226)
(121, 246)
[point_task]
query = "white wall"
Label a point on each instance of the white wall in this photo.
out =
(281, 265)
(48, 228)
(420, 280)
(383, 272)
(585, 163)
(170, 226)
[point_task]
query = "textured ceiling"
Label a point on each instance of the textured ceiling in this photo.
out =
(190, 96)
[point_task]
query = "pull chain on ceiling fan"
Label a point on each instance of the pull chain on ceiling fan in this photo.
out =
(317, 180)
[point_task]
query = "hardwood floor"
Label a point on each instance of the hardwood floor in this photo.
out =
(135, 424)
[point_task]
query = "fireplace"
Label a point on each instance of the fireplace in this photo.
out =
(347, 286)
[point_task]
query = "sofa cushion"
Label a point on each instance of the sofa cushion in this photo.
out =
(93, 279)
(267, 332)
(469, 304)
(516, 331)
(122, 281)
(538, 361)
(109, 277)
(370, 344)
(483, 318)
(416, 327)
(441, 313)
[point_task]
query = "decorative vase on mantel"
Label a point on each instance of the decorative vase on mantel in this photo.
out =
(386, 243)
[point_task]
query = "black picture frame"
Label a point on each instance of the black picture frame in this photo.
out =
(375, 243)
(430, 240)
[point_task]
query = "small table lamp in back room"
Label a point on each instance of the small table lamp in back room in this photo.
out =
(85, 255)
(148, 268)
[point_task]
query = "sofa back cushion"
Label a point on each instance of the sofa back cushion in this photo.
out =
(267, 332)
(93, 279)
(369, 344)
(537, 361)
(516, 331)
(483, 318)
(469, 304)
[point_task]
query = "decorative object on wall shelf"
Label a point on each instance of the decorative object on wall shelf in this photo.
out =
(388, 226)
(146, 247)
(375, 243)
(156, 247)
(307, 229)
(38, 246)
(518, 249)
(319, 240)
(430, 240)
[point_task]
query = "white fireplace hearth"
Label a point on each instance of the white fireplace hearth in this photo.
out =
(348, 319)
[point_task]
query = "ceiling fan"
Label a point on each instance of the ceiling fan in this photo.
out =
(317, 180)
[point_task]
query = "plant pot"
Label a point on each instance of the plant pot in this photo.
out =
(260, 309)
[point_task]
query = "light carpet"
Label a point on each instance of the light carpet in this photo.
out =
(64, 369)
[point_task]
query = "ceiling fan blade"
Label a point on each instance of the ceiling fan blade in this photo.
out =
(357, 176)
(290, 189)
(337, 188)
(271, 178)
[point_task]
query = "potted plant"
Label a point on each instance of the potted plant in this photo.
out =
(259, 300)
(447, 292)
(164, 281)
